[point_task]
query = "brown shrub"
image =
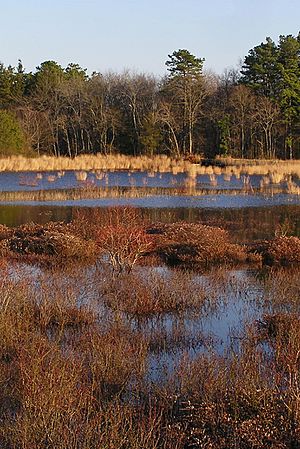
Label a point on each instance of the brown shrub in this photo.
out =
(193, 243)
(52, 239)
(281, 251)
(86, 222)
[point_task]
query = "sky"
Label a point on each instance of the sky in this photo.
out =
(138, 35)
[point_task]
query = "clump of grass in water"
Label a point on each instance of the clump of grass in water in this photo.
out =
(66, 393)
(159, 163)
(247, 398)
(144, 294)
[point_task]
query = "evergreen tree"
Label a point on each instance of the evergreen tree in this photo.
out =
(12, 84)
(273, 71)
(289, 91)
(182, 63)
(185, 88)
(260, 69)
(12, 139)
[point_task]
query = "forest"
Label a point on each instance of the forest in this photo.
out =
(249, 112)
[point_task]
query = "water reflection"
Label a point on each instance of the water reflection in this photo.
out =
(245, 224)
(32, 181)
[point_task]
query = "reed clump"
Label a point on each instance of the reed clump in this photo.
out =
(142, 294)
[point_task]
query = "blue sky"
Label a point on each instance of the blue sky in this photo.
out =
(139, 34)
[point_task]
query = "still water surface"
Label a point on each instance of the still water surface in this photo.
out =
(249, 213)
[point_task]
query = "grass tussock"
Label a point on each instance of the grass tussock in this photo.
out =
(50, 241)
(154, 294)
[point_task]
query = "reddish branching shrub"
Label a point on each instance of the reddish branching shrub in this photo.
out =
(123, 238)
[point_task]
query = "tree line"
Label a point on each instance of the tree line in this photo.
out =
(253, 112)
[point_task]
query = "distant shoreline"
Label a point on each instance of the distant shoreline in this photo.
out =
(158, 163)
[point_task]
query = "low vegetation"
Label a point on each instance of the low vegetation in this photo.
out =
(122, 238)
(53, 241)
(196, 244)
(274, 170)
(247, 399)
(63, 376)
(82, 357)
(280, 251)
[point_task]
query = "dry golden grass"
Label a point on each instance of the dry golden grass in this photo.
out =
(120, 192)
(87, 162)
(276, 169)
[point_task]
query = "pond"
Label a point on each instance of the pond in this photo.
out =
(252, 207)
